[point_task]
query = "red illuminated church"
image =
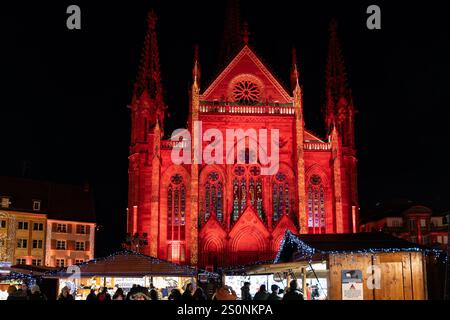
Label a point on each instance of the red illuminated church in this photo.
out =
(227, 214)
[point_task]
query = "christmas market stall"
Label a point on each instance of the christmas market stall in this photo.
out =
(361, 266)
(124, 270)
(25, 274)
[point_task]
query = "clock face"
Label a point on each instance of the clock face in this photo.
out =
(315, 179)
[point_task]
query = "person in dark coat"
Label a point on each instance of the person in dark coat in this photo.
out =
(274, 295)
(154, 294)
(36, 294)
(118, 295)
(175, 294)
(23, 293)
(187, 294)
(65, 294)
(199, 295)
(293, 293)
(91, 296)
(262, 293)
(104, 295)
(245, 291)
(12, 294)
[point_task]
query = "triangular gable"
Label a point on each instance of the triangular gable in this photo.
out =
(246, 63)
(212, 225)
(285, 223)
(249, 219)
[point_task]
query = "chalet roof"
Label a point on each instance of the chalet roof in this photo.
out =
(58, 201)
(129, 264)
(309, 245)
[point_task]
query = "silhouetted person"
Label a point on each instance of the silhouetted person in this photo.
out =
(187, 294)
(91, 296)
(199, 295)
(154, 294)
(245, 291)
(293, 293)
(274, 295)
(104, 295)
(118, 295)
(175, 294)
(262, 293)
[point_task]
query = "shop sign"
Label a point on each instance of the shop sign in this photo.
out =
(352, 285)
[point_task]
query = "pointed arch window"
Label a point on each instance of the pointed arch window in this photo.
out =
(247, 183)
(176, 218)
(213, 201)
(316, 205)
(281, 199)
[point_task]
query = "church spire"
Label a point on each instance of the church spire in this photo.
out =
(196, 71)
(339, 103)
(295, 75)
(232, 39)
(148, 90)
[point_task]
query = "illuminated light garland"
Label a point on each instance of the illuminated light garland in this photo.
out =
(192, 271)
(295, 243)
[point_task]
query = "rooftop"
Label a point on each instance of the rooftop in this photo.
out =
(58, 201)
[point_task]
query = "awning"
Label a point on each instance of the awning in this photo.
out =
(127, 264)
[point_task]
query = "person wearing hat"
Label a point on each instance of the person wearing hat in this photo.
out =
(274, 294)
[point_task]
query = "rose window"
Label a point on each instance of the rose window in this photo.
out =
(246, 92)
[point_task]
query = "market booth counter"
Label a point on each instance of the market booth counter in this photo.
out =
(124, 269)
(361, 266)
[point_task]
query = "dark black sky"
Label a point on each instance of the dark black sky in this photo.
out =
(64, 93)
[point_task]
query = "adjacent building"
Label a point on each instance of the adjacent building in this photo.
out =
(44, 223)
(414, 223)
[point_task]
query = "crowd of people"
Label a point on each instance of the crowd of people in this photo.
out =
(292, 292)
(22, 292)
(190, 293)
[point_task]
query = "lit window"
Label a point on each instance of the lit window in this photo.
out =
(316, 205)
(79, 246)
(213, 200)
(60, 245)
(439, 239)
(176, 214)
(5, 202)
(60, 263)
(36, 205)
(445, 238)
(22, 225)
(423, 223)
(22, 243)
(280, 197)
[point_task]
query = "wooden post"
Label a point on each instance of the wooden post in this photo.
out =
(305, 295)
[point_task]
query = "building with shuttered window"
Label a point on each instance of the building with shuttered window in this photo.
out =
(45, 223)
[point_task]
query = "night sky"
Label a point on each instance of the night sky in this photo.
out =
(64, 93)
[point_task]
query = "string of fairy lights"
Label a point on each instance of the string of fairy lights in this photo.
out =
(293, 242)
